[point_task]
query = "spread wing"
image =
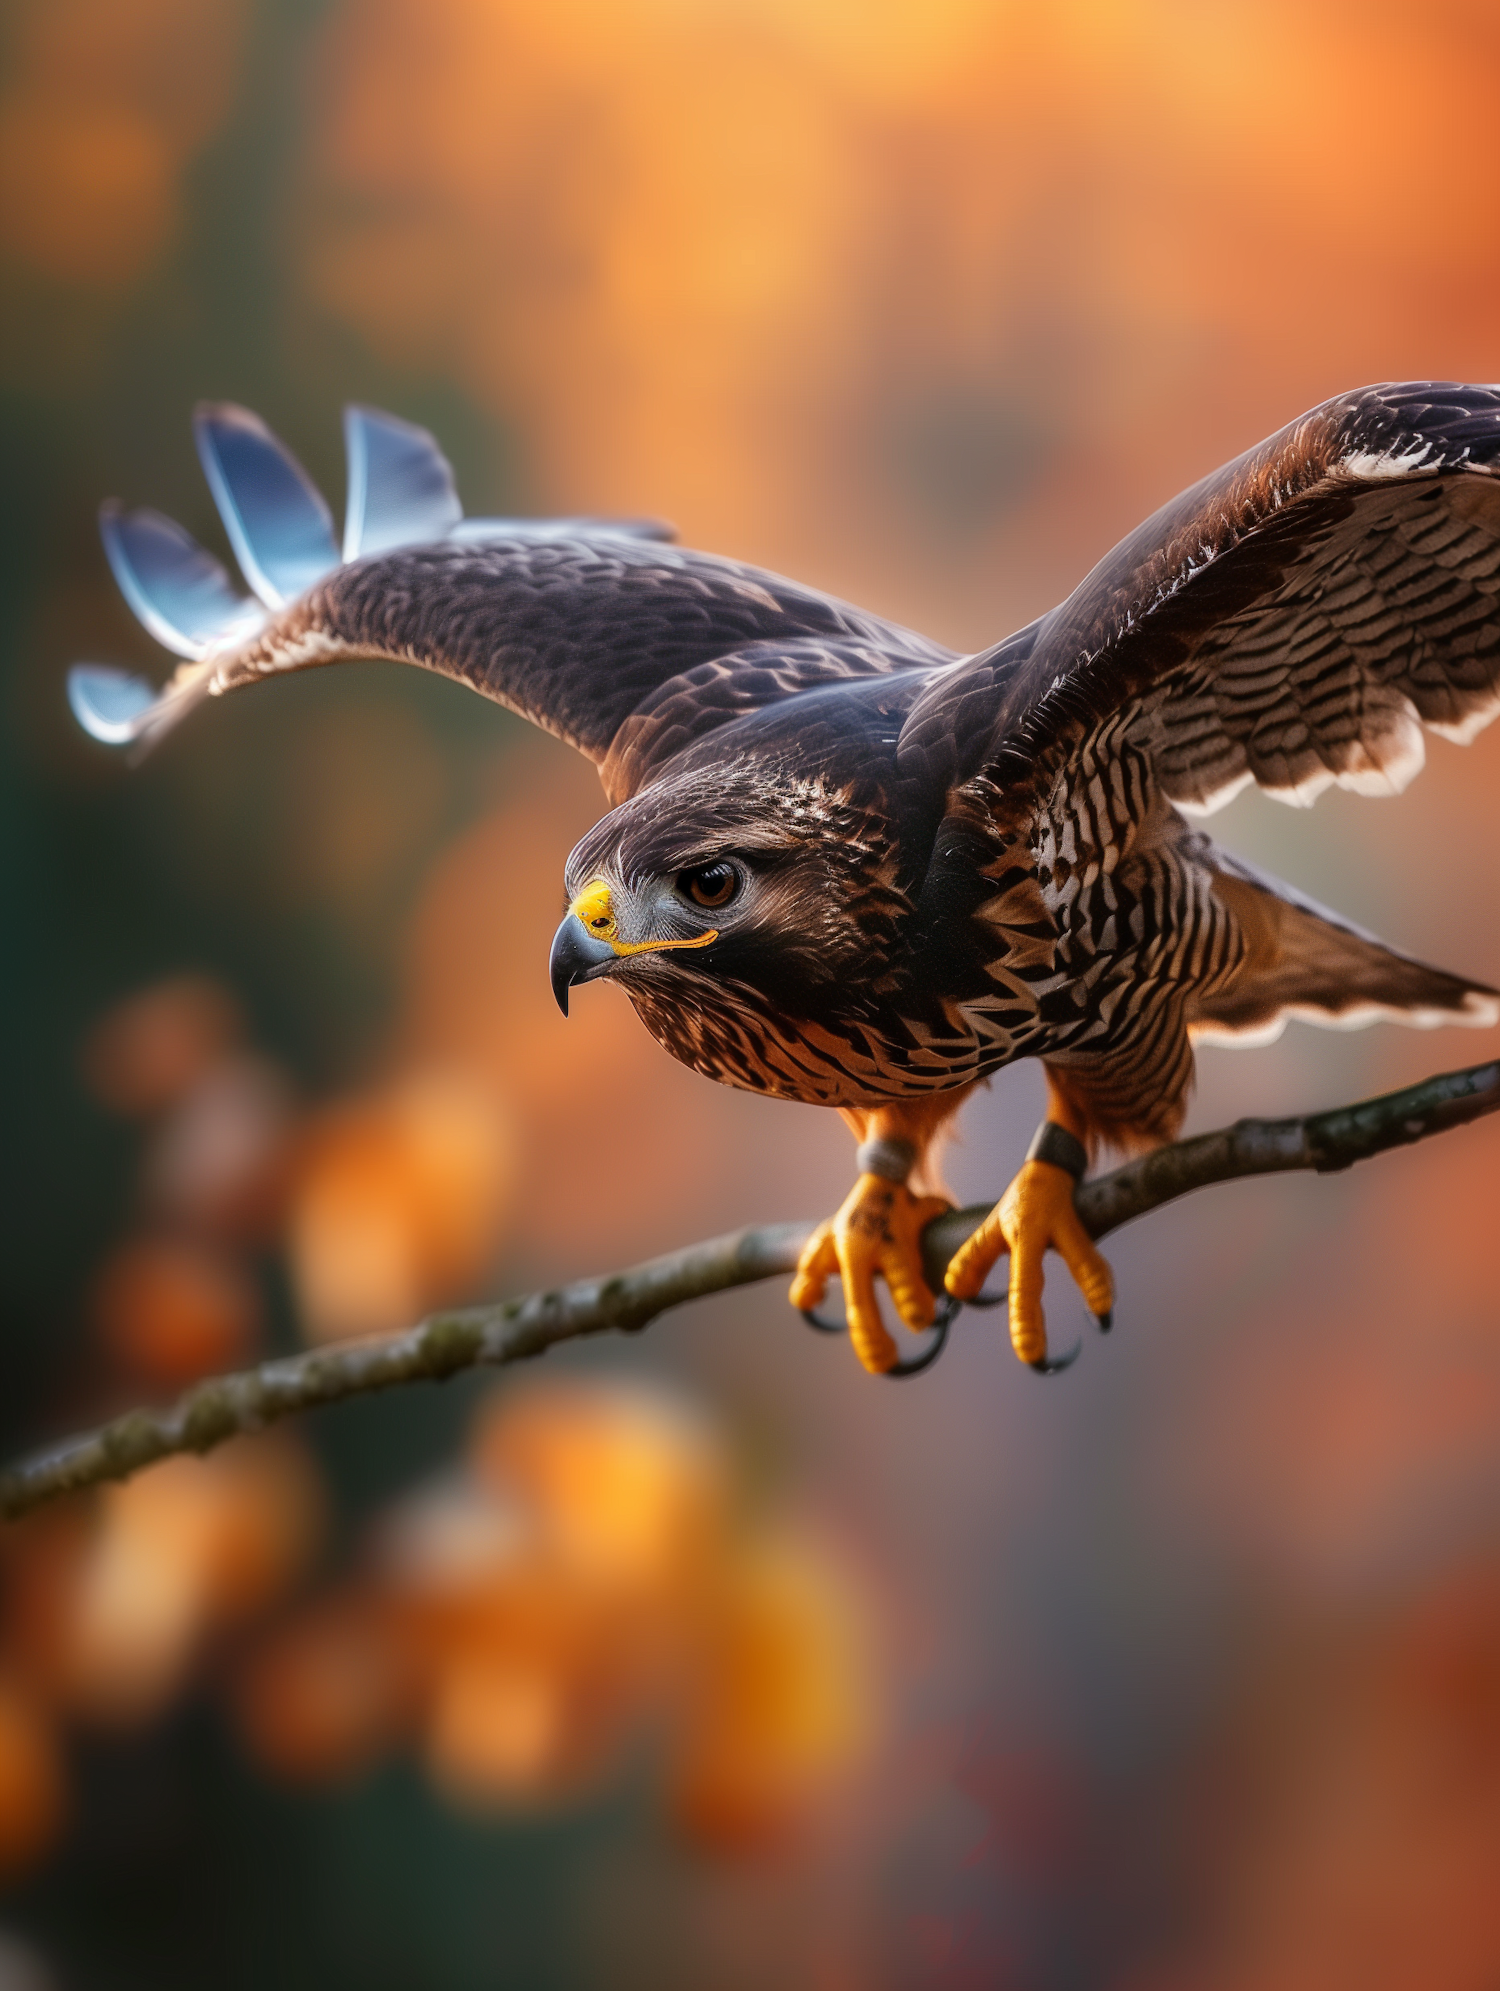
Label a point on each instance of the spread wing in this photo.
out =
(596, 630)
(1294, 620)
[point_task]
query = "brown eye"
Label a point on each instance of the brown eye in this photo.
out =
(710, 885)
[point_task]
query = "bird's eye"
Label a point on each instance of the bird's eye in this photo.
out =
(711, 885)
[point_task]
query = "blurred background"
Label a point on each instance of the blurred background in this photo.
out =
(704, 1659)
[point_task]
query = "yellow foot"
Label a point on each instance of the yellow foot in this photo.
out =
(1035, 1212)
(879, 1229)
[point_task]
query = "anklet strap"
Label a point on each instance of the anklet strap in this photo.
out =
(892, 1160)
(1064, 1150)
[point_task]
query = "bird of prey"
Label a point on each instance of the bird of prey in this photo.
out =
(844, 865)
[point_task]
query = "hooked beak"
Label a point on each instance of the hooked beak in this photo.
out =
(577, 956)
(588, 941)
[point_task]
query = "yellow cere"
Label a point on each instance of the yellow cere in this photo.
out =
(594, 910)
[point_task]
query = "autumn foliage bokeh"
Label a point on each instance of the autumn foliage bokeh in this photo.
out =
(1177, 1675)
(587, 1576)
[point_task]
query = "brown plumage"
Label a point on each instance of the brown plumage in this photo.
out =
(844, 865)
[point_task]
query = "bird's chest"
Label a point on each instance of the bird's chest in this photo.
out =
(953, 995)
(845, 1051)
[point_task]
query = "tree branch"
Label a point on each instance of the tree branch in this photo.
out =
(516, 1330)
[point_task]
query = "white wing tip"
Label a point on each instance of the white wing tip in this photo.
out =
(118, 709)
(1481, 1009)
(1366, 466)
(111, 706)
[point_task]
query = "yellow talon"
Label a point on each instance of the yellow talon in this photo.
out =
(1034, 1213)
(878, 1229)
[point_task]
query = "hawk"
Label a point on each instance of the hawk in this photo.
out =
(843, 864)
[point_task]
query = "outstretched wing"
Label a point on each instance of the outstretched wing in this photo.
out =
(622, 645)
(1294, 620)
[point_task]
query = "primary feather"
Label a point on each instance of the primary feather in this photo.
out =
(175, 587)
(277, 520)
(401, 487)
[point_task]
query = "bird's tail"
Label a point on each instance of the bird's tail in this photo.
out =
(1304, 961)
(400, 493)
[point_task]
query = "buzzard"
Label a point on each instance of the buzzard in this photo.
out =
(844, 865)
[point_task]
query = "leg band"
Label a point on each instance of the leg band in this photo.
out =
(1064, 1150)
(892, 1160)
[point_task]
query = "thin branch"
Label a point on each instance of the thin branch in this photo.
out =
(516, 1330)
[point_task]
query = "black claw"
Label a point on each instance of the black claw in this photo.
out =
(987, 1300)
(1053, 1365)
(1105, 1321)
(948, 1310)
(942, 1320)
(816, 1320)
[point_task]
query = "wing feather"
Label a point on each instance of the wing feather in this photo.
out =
(175, 587)
(627, 648)
(278, 521)
(401, 485)
(1294, 620)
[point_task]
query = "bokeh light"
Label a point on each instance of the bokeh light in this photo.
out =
(177, 1552)
(399, 1202)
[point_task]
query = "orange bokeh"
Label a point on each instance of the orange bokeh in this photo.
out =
(192, 1545)
(327, 1694)
(782, 1704)
(33, 1796)
(533, 1694)
(105, 106)
(548, 1595)
(629, 1488)
(590, 1578)
(150, 1049)
(399, 1202)
(1353, 1827)
(171, 1310)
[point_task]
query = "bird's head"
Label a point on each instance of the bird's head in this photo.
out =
(745, 877)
